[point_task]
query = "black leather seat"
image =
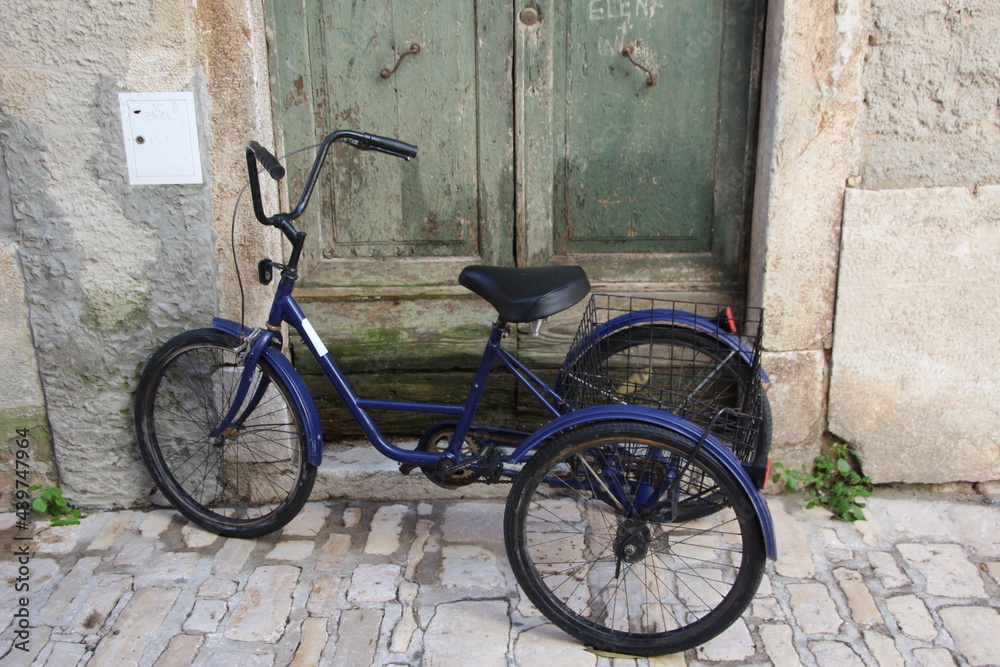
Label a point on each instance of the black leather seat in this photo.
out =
(526, 295)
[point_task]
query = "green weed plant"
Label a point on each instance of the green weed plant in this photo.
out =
(50, 503)
(835, 483)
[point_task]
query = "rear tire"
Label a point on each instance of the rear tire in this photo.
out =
(617, 577)
(678, 369)
(248, 481)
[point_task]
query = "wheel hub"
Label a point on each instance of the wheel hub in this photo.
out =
(632, 541)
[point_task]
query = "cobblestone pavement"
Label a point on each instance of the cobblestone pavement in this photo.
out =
(410, 583)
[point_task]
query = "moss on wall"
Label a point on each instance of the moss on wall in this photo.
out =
(24, 429)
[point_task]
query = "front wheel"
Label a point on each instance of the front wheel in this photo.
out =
(597, 535)
(248, 480)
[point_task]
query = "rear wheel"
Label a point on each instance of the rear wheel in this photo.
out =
(681, 370)
(250, 479)
(596, 534)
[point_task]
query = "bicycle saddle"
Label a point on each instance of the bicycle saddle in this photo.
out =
(526, 295)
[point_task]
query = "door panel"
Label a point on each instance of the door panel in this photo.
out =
(430, 214)
(382, 207)
(638, 160)
(639, 183)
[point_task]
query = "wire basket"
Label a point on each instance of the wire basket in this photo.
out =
(700, 361)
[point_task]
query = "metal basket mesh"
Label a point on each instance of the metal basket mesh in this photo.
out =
(700, 361)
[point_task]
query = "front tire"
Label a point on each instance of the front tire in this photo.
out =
(251, 479)
(597, 537)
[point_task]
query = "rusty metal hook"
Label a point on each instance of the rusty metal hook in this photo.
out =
(627, 51)
(413, 50)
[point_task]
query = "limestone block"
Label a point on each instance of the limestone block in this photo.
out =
(324, 596)
(734, 644)
(810, 107)
(547, 645)
(974, 630)
(883, 649)
(314, 640)
(459, 629)
(374, 583)
(101, 602)
(914, 362)
(778, 644)
(946, 568)
(252, 621)
(407, 625)
(181, 651)
(359, 632)
(887, 570)
(814, 609)
(309, 522)
(293, 550)
(136, 627)
(472, 569)
(835, 653)
(387, 524)
(230, 558)
(205, 616)
(795, 558)
(798, 404)
(333, 553)
(912, 617)
(172, 568)
(478, 522)
(859, 599)
(979, 527)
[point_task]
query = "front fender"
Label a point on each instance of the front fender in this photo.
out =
(293, 381)
(670, 422)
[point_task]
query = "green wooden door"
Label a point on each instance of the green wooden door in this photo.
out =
(539, 143)
(639, 183)
(327, 57)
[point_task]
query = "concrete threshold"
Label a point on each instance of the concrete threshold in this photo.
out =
(358, 471)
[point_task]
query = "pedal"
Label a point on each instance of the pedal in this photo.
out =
(491, 466)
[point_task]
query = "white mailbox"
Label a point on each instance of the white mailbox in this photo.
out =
(161, 138)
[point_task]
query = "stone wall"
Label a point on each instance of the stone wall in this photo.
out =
(23, 425)
(873, 268)
(932, 95)
(914, 355)
(111, 270)
(810, 108)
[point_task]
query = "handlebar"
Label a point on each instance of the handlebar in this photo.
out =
(386, 145)
(283, 221)
(268, 161)
(360, 140)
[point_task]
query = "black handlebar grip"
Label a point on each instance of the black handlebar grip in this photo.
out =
(391, 146)
(268, 161)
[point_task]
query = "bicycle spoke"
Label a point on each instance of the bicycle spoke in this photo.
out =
(250, 473)
(625, 567)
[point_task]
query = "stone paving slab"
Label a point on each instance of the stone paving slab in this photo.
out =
(410, 582)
